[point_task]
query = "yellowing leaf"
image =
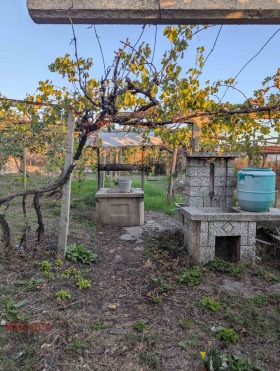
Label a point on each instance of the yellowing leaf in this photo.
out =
(203, 354)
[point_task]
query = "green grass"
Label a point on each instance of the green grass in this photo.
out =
(83, 192)
(155, 194)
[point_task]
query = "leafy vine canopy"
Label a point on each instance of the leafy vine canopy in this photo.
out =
(135, 92)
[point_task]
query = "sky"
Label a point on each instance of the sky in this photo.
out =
(26, 50)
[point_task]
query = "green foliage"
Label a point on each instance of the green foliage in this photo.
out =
(269, 277)
(58, 263)
(212, 360)
(223, 266)
(228, 335)
(160, 285)
(30, 284)
(80, 253)
(189, 342)
(236, 363)
(49, 275)
(215, 361)
(191, 276)
(139, 326)
(45, 266)
(156, 299)
(69, 272)
(163, 286)
(259, 300)
(83, 283)
(151, 360)
(98, 326)
(62, 295)
(209, 303)
(11, 312)
(75, 345)
(185, 323)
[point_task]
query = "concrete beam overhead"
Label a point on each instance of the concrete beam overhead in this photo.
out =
(155, 11)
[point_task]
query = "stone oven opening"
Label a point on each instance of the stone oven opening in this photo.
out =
(228, 248)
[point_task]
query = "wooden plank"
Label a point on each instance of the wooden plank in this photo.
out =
(119, 167)
(263, 242)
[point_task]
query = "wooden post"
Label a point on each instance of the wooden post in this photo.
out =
(24, 167)
(110, 175)
(98, 171)
(66, 190)
(172, 171)
(102, 161)
(117, 161)
(143, 173)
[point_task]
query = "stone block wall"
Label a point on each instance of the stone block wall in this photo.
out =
(201, 238)
(198, 179)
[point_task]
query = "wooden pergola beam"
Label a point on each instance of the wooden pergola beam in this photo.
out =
(155, 11)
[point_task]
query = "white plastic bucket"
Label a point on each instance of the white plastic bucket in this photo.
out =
(124, 184)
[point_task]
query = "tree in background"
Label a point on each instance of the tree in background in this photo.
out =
(134, 92)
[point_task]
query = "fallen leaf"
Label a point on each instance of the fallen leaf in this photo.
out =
(203, 354)
(148, 264)
(142, 347)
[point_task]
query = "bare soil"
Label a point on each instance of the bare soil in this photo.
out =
(133, 281)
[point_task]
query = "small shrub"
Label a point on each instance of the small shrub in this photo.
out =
(139, 326)
(97, 326)
(83, 283)
(209, 303)
(191, 276)
(228, 335)
(62, 295)
(79, 252)
(223, 266)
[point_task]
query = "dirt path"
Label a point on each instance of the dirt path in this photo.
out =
(134, 282)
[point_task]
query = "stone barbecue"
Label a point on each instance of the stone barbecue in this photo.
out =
(209, 180)
(212, 226)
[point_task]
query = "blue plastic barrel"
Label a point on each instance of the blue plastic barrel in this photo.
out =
(256, 189)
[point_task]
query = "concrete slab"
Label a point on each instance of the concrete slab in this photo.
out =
(155, 11)
(120, 209)
(232, 214)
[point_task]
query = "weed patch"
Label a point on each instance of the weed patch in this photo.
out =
(11, 309)
(209, 303)
(222, 266)
(80, 253)
(228, 335)
(139, 326)
(191, 276)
